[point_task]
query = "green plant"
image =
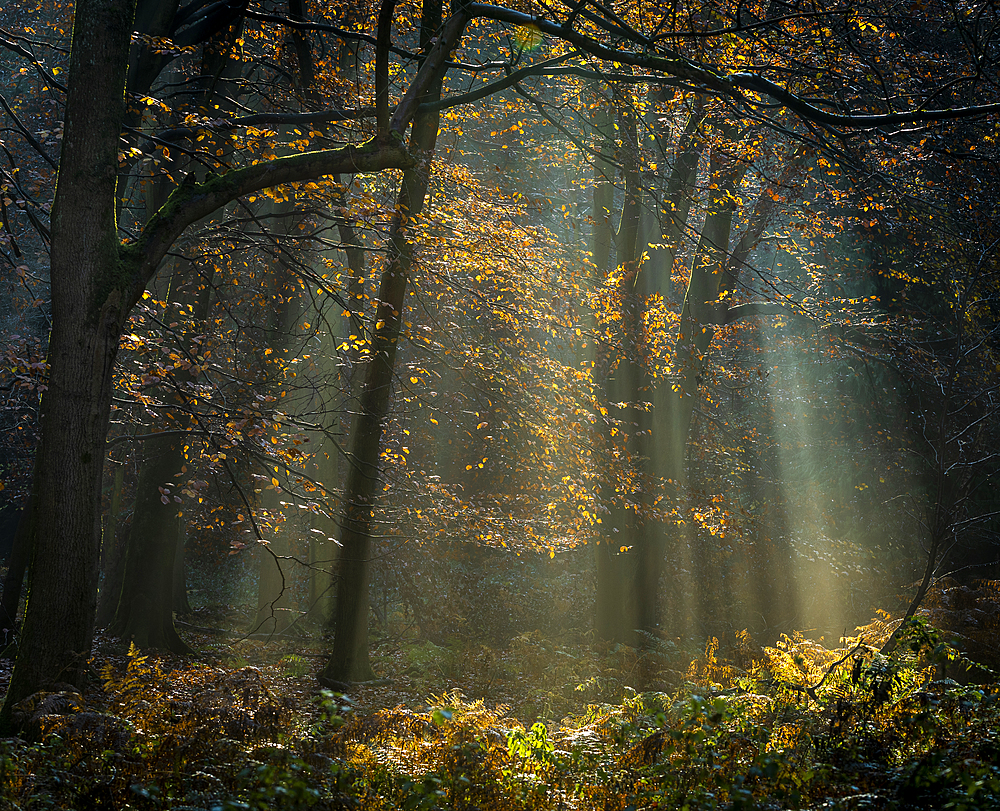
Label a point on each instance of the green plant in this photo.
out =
(295, 665)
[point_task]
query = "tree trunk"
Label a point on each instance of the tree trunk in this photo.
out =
(113, 550)
(674, 404)
(144, 612)
(338, 382)
(17, 565)
(628, 583)
(181, 604)
(145, 609)
(326, 471)
(625, 383)
(349, 660)
(610, 622)
(275, 572)
(88, 311)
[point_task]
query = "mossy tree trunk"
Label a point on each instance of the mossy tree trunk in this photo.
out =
(88, 312)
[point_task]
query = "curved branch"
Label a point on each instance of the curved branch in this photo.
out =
(494, 87)
(191, 201)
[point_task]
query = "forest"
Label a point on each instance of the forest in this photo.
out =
(438, 404)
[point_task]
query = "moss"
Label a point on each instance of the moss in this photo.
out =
(116, 283)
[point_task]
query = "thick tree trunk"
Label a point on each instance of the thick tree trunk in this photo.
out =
(88, 311)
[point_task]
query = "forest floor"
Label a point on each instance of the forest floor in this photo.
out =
(538, 723)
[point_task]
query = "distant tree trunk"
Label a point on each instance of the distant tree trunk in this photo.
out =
(88, 312)
(609, 622)
(714, 273)
(144, 612)
(340, 386)
(771, 569)
(675, 403)
(275, 570)
(145, 608)
(627, 582)
(181, 604)
(113, 550)
(145, 599)
(326, 470)
(13, 583)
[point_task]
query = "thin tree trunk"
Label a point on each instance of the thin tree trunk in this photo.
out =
(113, 550)
(350, 660)
(275, 572)
(181, 604)
(609, 620)
(145, 609)
(13, 583)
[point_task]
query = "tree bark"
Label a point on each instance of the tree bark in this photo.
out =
(349, 660)
(17, 565)
(145, 609)
(113, 550)
(88, 312)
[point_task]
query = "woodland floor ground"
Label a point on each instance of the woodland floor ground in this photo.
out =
(541, 723)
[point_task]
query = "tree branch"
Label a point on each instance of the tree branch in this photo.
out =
(191, 201)
(732, 84)
(382, 42)
(429, 72)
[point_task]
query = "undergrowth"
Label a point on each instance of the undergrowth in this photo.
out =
(737, 726)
